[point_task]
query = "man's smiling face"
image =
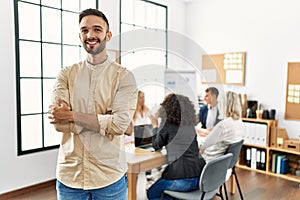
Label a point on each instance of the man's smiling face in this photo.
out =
(93, 34)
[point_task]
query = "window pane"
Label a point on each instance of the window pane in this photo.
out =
(140, 12)
(51, 25)
(128, 11)
(31, 132)
(51, 136)
(71, 55)
(161, 17)
(126, 28)
(87, 4)
(30, 60)
(156, 57)
(71, 5)
(31, 96)
(47, 92)
(51, 3)
(70, 28)
(51, 59)
(128, 60)
(29, 21)
(34, 1)
(151, 16)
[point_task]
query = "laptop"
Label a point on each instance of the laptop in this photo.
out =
(143, 136)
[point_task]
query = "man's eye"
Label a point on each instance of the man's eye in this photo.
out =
(98, 30)
(84, 31)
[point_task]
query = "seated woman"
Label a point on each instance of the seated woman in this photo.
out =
(177, 133)
(142, 113)
(227, 131)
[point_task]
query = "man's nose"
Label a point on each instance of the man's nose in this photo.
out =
(91, 34)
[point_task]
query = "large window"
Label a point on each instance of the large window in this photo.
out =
(46, 40)
(143, 45)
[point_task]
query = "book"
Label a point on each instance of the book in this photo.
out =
(278, 163)
(284, 166)
(274, 157)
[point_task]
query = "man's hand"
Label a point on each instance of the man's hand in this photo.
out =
(60, 113)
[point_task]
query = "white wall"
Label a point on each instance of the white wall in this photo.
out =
(268, 31)
(21, 171)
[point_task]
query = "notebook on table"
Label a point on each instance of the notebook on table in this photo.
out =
(143, 136)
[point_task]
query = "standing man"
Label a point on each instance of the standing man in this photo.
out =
(209, 114)
(93, 104)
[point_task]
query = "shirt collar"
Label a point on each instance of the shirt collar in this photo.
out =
(105, 63)
(212, 108)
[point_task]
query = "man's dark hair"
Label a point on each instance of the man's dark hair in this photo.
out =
(96, 12)
(213, 90)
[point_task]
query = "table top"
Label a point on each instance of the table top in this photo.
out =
(140, 160)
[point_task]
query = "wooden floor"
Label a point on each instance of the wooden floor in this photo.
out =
(255, 186)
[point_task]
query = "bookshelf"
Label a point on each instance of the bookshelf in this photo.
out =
(269, 151)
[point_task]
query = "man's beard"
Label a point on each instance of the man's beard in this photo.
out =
(97, 50)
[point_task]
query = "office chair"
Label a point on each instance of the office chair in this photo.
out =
(235, 149)
(212, 177)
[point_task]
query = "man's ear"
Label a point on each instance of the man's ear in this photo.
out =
(108, 35)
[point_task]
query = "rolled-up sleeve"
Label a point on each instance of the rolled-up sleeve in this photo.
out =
(123, 106)
(61, 90)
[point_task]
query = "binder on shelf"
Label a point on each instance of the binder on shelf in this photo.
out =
(248, 157)
(258, 162)
(247, 137)
(281, 136)
(262, 131)
(253, 133)
(274, 158)
(278, 163)
(253, 158)
(263, 160)
(278, 136)
(256, 133)
(273, 137)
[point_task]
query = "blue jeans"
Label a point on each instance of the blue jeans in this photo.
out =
(155, 192)
(115, 191)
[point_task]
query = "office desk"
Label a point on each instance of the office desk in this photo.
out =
(140, 160)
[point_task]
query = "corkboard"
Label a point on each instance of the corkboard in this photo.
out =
(292, 101)
(226, 68)
(212, 68)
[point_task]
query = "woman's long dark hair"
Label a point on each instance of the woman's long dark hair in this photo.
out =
(177, 109)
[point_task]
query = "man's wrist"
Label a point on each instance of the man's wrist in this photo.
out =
(71, 117)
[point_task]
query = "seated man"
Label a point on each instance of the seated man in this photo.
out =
(209, 113)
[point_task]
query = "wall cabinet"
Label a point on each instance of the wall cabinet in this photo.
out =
(293, 157)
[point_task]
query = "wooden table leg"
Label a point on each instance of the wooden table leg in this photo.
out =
(132, 179)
